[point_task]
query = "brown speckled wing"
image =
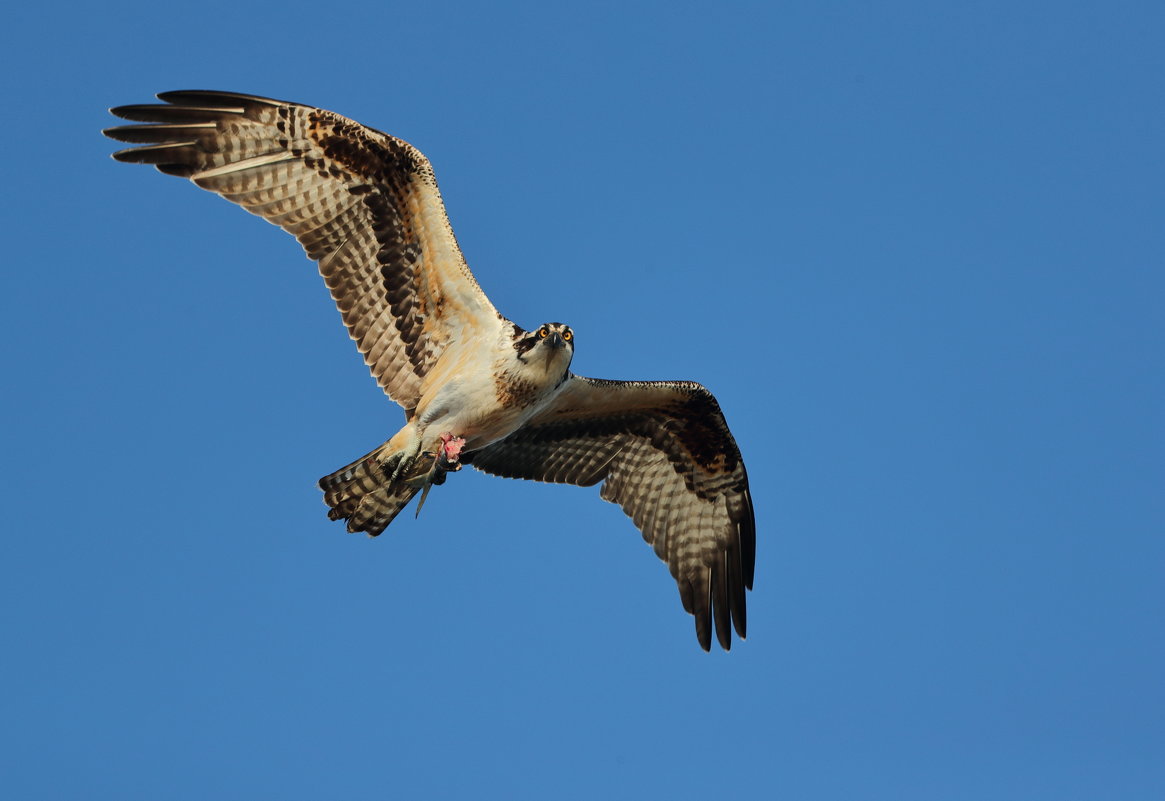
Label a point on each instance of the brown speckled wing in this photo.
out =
(665, 454)
(363, 204)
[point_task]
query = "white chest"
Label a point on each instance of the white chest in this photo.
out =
(485, 394)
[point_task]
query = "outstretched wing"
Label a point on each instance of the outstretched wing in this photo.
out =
(363, 204)
(665, 454)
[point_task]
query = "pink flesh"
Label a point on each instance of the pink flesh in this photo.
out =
(453, 446)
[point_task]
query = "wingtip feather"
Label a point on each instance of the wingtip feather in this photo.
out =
(195, 97)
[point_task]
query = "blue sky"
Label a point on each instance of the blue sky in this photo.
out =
(916, 251)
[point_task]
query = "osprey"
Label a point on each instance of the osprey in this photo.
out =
(476, 388)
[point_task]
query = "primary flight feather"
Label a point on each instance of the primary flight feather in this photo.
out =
(476, 388)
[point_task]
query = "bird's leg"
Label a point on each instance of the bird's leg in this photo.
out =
(405, 462)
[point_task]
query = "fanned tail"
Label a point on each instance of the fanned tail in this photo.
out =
(364, 494)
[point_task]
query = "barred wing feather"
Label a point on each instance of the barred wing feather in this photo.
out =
(664, 454)
(364, 205)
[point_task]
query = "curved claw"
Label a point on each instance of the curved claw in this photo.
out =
(405, 464)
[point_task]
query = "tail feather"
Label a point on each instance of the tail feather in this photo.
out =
(363, 494)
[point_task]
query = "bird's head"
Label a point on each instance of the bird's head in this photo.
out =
(555, 336)
(550, 343)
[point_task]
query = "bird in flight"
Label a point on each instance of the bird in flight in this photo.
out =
(476, 388)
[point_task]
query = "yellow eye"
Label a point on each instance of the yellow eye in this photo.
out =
(543, 332)
(568, 335)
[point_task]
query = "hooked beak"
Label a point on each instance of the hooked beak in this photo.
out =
(555, 340)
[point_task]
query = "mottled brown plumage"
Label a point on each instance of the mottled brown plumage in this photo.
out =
(476, 388)
(666, 456)
(349, 194)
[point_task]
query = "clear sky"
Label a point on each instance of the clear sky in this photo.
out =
(915, 249)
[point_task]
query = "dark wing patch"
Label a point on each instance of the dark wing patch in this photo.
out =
(666, 456)
(363, 204)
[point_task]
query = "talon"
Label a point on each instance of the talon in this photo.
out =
(402, 466)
